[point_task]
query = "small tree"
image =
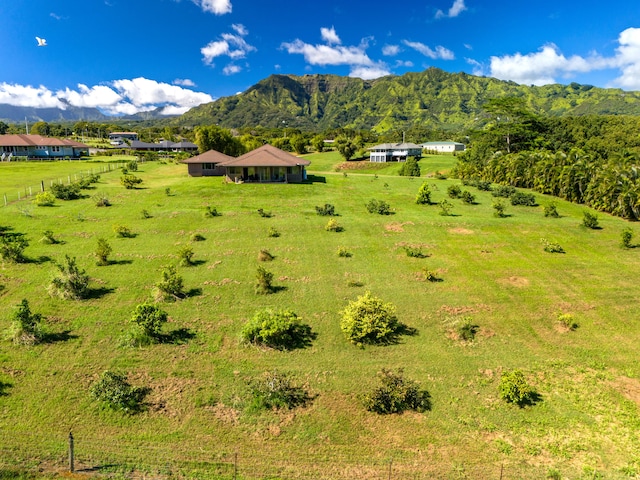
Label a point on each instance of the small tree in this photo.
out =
(327, 210)
(333, 226)
(525, 199)
(26, 327)
(12, 247)
(368, 320)
(454, 191)
(149, 318)
(171, 286)
(48, 238)
(424, 195)
(114, 390)
(280, 329)
(445, 208)
(45, 199)
(103, 251)
(396, 394)
(590, 220)
(264, 281)
(275, 390)
(499, 208)
(551, 210)
(378, 206)
(467, 197)
(210, 212)
(185, 254)
(514, 388)
(71, 283)
(130, 181)
(123, 231)
(410, 168)
(265, 256)
(625, 237)
(273, 232)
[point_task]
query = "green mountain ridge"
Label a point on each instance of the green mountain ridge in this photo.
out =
(432, 98)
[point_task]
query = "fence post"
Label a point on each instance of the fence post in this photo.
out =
(235, 466)
(71, 459)
(390, 465)
(42, 185)
(5, 199)
(18, 196)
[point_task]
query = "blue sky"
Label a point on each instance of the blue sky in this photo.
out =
(126, 56)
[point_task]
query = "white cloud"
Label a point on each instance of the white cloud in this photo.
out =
(391, 50)
(231, 69)
(184, 82)
(440, 52)
(628, 59)
(330, 36)
(56, 16)
(369, 73)
(120, 97)
(404, 63)
(456, 9)
(231, 45)
(217, 7)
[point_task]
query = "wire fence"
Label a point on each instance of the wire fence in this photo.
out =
(30, 191)
(173, 459)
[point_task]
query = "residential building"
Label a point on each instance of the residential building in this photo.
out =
(38, 147)
(394, 152)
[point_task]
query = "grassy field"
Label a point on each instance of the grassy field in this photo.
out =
(494, 270)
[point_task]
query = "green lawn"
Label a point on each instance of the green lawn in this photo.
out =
(494, 270)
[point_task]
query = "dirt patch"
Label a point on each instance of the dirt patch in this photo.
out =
(214, 265)
(519, 282)
(628, 387)
(225, 414)
(461, 231)
(396, 226)
(450, 310)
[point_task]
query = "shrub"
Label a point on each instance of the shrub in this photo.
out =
(445, 208)
(273, 232)
(625, 237)
(171, 286)
(48, 238)
(467, 197)
(454, 191)
(264, 214)
(514, 388)
(368, 320)
(424, 195)
(396, 394)
(66, 192)
(327, 210)
(71, 283)
(264, 281)
(114, 390)
(431, 275)
(567, 321)
(86, 182)
(210, 212)
(12, 247)
(132, 166)
(197, 237)
(185, 255)
(275, 390)
(378, 206)
(499, 209)
(410, 168)
(414, 252)
(26, 327)
(102, 252)
(343, 252)
(466, 329)
(45, 199)
(265, 256)
(101, 200)
(130, 181)
(525, 199)
(590, 220)
(281, 330)
(149, 318)
(145, 213)
(167, 191)
(504, 191)
(122, 231)
(551, 247)
(551, 210)
(333, 226)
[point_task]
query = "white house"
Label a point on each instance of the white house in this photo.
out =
(444, 147)
(394, 152)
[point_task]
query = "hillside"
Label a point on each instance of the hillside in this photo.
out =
(433, 98)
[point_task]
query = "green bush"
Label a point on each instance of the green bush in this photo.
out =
(424, 195)
(45, 199)
(525, 199)
(431, 275)
(145, 213)
(467, 329)
(149, 319)
(499, 209)
(66, 192)
(590, 220)
(197, 237)
(71, 282)
(265, 256)
(551, 247)
(333, 226)
(344, 252)
(378, 206)
(445, 208)
(264, 214)
(101, 200)
(185, 255)
(504, 191)
(12, 247)
(327, 210)
(26, 327)
(171, 285)
(368, 320)
(210, 212)
(273, 232)
(396, 394)
(414, 252)
(467, 197)
(410, 168)
(48, 238)
(114, 390)
(103, 250)
(514, 388)
(280, 329)
(132, 166)
(625, 237)
(122, 231)
(264, 281)
(551, 210)
(568, 321)
(130, 181)
(454, 191)
(275, 390)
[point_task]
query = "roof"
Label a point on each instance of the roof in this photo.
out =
(395, 146)
(212, 156)
(24, 140)
(266, 156)
(442, 143)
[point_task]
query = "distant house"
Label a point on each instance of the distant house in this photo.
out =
(394, 152)
(444, 147)
(266, 164)
(163, 146)
(207, 164)
(39, 147)
(118, 138)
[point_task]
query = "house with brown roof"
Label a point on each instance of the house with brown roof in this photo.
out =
(38, 147)
(207, 164)
(266, 164)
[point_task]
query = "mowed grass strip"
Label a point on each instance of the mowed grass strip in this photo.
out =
(493, 270)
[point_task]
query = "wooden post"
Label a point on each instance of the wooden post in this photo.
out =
(235, 466)
(390, 465)
(501, 470)
(42, 185)
(5, 199)
(71, 459)
(30, 192)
